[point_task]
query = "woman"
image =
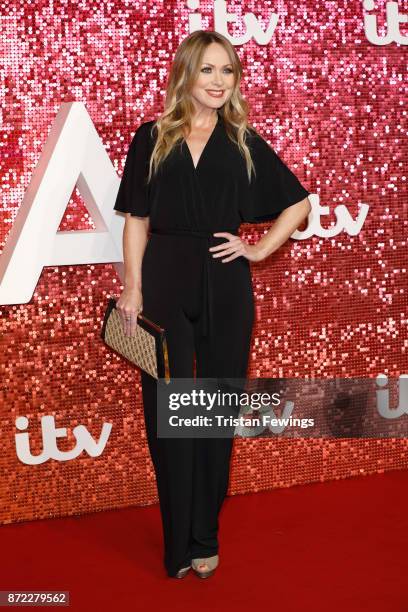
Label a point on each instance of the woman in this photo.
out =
(192, 177)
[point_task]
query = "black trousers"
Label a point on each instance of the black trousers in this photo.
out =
(206, 308)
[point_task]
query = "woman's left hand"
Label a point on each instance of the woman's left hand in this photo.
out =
(235, 247)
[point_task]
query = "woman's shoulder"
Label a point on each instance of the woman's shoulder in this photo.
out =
(145, 133)
(146, 127)
(148, 124)
(256, 143)
(252, 134)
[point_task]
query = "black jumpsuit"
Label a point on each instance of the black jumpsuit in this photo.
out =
(205, 306)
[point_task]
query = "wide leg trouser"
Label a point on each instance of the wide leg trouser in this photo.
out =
(192, 475)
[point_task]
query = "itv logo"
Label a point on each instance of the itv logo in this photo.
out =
(50, 434)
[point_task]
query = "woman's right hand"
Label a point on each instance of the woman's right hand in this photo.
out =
(129, 305)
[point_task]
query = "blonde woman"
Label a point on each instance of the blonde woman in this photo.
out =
(191, 177)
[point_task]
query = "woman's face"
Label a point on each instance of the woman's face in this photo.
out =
(216, 79)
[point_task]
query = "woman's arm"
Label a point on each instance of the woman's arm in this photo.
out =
(284, 226)
(135, 236)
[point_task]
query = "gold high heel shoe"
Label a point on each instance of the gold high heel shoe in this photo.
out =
(210, 562)
(183, 572)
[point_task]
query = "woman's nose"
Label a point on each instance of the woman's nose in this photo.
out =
(217, 80)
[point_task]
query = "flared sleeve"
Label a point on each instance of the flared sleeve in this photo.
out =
(274, 188)
(133, 193)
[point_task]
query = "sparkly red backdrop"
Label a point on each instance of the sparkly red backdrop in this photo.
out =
(332, 104)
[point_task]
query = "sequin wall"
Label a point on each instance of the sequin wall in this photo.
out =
(331, 102)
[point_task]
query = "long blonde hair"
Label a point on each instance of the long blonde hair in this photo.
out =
(179, 109)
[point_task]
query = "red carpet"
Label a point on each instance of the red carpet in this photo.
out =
(340, 545)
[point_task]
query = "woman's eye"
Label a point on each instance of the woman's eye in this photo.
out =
(229, 70)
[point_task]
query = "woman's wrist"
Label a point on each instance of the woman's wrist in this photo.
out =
(261, 250)
(132, 286)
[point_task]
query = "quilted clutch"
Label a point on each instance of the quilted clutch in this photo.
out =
(147, 348)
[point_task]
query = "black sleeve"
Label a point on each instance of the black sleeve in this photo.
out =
(274, 188)
(133, 193)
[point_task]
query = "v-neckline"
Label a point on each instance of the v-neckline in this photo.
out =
(195, 168)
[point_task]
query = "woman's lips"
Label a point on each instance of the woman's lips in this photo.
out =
(215, 93)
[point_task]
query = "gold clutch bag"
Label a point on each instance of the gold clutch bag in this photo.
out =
(147, 348)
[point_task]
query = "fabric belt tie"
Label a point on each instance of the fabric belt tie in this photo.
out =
(207, 288)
